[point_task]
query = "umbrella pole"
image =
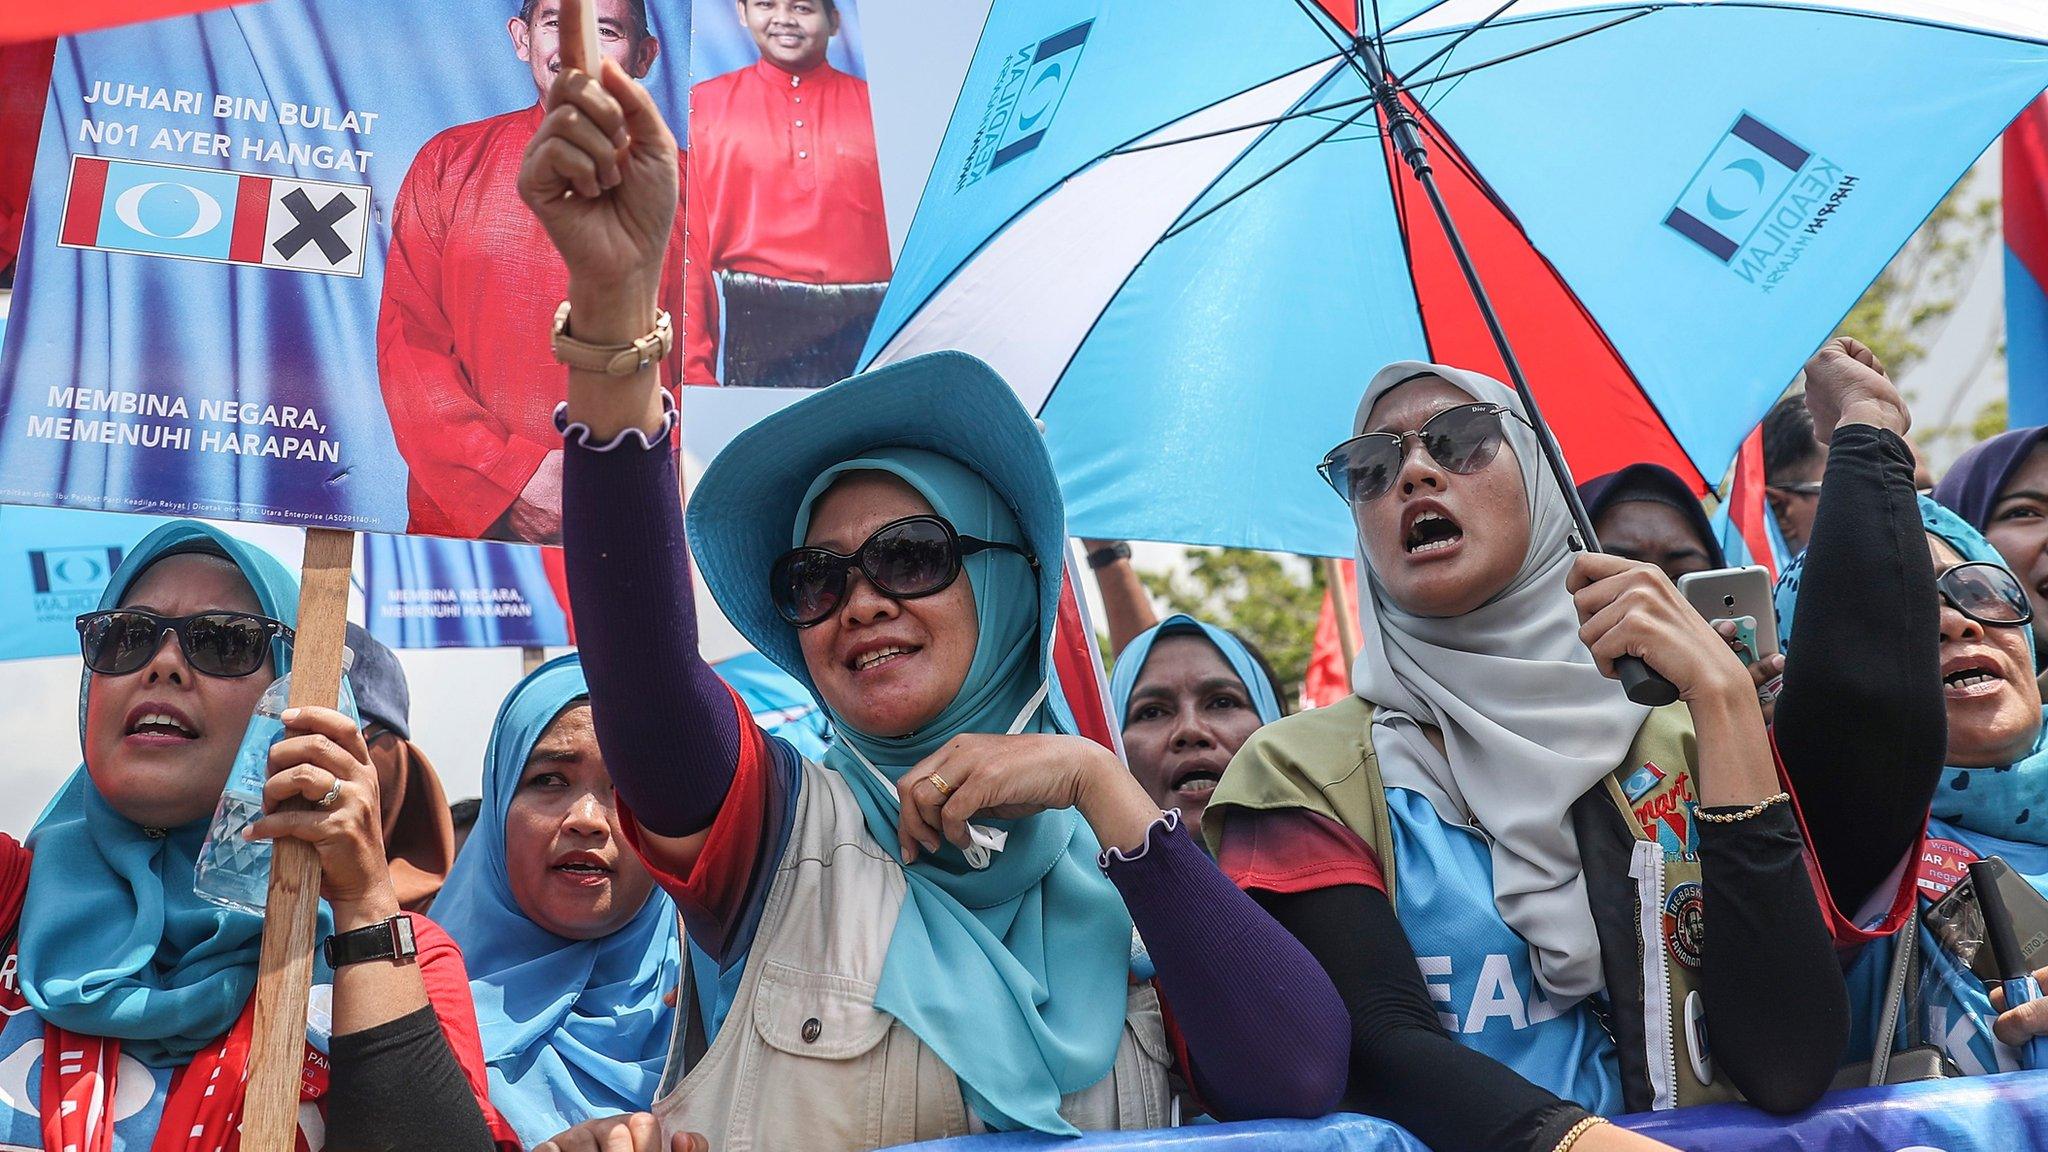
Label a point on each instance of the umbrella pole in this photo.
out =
(1643, 684)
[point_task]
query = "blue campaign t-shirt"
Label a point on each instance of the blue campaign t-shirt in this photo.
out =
(1477, 970)
(1954, 1006)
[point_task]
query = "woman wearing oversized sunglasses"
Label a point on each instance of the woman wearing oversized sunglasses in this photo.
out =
(121, 962)
(930, 932)
(1549, 846)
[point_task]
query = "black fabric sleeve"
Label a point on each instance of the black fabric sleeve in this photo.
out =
(1777, 1010)
(636, 625)
(1861, 727)
(397, 1086)
(1404, 1066)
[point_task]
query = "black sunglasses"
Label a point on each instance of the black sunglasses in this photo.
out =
(223, 644)
(1463, 440)
(1987, 593)
(904, 559)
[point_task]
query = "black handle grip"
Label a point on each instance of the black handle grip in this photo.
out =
(1643, 684)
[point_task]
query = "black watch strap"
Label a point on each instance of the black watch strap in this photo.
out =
(387, 940)
(1109, 554)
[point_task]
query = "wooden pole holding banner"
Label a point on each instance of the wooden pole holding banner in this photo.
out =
(1346, 610)
(531, 656)
(270, 1117)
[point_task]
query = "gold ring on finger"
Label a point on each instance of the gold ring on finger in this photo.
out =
(939, 782)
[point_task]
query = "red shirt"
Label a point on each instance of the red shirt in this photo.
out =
(786, 185)
(471, 284)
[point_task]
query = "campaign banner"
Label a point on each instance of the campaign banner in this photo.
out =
(273, 265)
(424, 592)
(788, 238)
(55, 563)
(2026, 266)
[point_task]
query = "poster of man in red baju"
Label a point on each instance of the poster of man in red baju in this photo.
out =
(469, 298)
(788, 244)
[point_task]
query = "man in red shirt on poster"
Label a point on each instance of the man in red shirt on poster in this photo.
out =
(786, 208)
(471, 284)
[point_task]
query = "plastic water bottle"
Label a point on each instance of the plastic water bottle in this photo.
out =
(232, 872)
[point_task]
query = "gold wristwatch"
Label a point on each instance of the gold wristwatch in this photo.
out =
(613, 359)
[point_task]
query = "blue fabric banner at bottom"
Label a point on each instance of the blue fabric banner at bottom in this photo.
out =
(1975, 1114)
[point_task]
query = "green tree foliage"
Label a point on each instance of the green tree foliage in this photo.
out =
(1903, 310)
(1270, 600)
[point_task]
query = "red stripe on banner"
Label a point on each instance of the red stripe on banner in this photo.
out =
(252, 217)
(1078, 663)
(22, 20)
(1328, 679)
(82, 206)
(1600, 415)
(24, 88)
(558, 581)
(2026, 189)
(1747, 506)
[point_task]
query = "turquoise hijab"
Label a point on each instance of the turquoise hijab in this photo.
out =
(2009, 802)
(1130, 664)
(572, 1029)
(113, 941)
(1015, 975)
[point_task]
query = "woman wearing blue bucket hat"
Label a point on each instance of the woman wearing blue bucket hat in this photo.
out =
(930, 932)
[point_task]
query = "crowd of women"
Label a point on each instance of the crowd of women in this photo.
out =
(1487, 896)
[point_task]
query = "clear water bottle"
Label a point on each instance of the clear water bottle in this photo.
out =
(233, 872)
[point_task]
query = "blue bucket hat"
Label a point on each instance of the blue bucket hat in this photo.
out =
(950, 403)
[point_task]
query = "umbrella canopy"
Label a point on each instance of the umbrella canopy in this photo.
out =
(1181, 233)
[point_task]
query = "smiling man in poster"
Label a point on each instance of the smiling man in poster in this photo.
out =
(786, 207)
(470, 292)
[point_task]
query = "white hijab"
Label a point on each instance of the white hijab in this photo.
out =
(1528, 721)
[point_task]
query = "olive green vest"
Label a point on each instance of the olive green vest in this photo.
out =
(1640, 889)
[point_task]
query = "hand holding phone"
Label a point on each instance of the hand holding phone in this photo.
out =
(1741, 595)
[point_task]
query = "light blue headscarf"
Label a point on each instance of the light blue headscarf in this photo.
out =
(572, 1029)
(1014, 975)
(1130, 664)
(2010, 802)
(113, 941)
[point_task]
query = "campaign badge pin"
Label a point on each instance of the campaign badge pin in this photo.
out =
(1641, 781)
(1943, 864)
(1685, 923)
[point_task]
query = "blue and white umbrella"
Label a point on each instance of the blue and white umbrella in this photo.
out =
(1180, 230)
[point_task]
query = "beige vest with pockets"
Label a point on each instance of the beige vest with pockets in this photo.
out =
(805, 1061)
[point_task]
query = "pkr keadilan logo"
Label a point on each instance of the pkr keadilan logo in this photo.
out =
(1759, 202)
(1027, 93)
(68, 581)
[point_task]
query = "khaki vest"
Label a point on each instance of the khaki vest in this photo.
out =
(804, 1060)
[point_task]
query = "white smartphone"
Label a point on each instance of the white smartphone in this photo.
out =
(1742, 595)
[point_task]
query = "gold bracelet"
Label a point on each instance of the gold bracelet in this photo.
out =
(1755, 809)
(1578, 1130)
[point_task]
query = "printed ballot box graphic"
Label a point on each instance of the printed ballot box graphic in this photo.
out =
(152, 209)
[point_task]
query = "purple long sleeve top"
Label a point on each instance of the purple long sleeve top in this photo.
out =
(1262, 1028)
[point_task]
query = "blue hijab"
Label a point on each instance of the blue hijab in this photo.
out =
(113, 941)
(1130, 664)
(1015, 975)
(2003, 801)
(572, 1029)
